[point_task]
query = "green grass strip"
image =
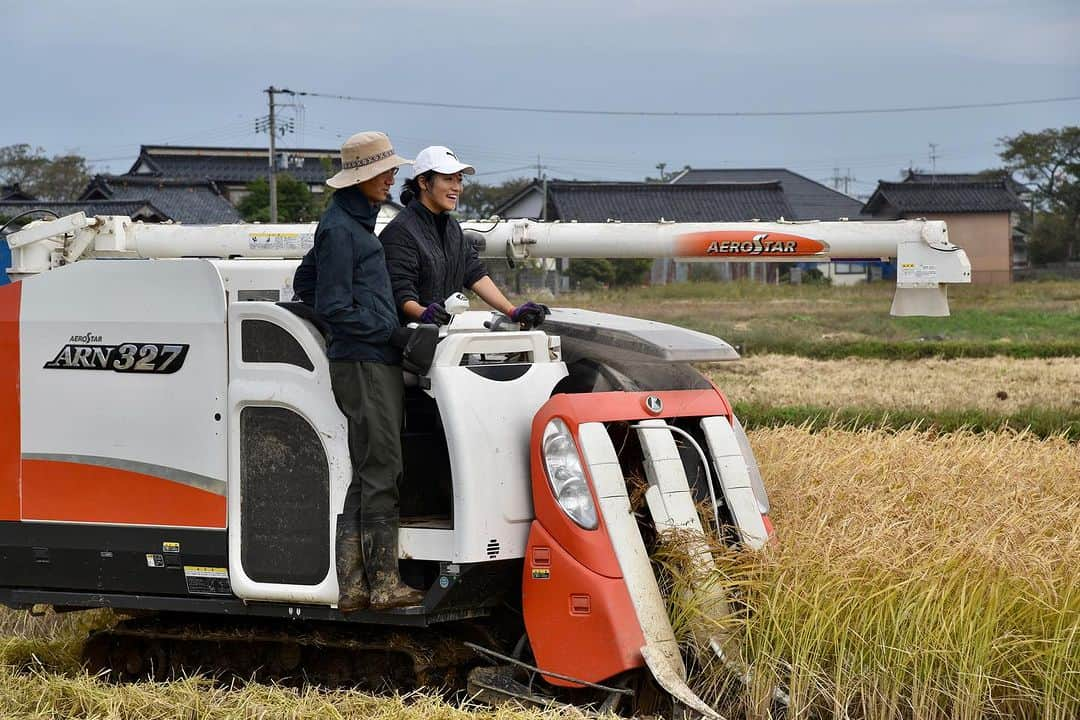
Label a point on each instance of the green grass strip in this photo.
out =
(911, 349)
(1040, 422)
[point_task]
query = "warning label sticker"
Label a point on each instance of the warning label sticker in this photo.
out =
(170, 547)
(207, 580)
(154, 560)
(281, 241)
(541, 573)
(917, 273)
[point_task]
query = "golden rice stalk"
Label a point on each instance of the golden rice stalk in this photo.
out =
(915, 575)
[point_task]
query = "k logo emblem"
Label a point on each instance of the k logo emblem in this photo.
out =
(654, 405)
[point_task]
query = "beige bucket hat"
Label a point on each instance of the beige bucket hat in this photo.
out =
(363, 156)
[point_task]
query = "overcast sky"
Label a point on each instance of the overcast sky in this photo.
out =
(100, 78)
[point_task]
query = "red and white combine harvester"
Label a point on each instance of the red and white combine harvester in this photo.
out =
(171, 447)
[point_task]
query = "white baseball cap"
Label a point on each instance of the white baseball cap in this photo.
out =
(440, 159)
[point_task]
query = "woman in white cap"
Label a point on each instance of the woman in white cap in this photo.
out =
(428, 256)
(345, 277)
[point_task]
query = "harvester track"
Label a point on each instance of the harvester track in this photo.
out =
(369, 657)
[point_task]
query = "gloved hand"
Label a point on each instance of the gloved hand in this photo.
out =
(530, 314)
(435, 314)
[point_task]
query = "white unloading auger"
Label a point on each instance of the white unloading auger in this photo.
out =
(926, 261)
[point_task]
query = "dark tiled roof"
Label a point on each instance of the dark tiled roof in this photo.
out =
(140, 209)
(943, 178)
(809, 200)
(187, 201)
(650, 202)
(230, 165)
(14, 192)
(954, 197)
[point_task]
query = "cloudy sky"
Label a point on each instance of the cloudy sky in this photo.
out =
(100, 78)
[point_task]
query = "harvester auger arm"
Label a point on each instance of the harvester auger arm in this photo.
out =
(927, 262)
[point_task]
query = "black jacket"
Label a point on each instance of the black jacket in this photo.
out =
(425, 266)
(344, 277)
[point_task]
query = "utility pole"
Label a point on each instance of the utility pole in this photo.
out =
(273, 157)
(272, 128)
(933, 161)
(837, 179)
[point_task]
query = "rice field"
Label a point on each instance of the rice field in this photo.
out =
(994, 385)
(916, 575)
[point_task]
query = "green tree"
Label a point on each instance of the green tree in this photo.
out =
(1050, 160)
(629, 271)
(57, 178)
(1050, 239)
(591, 273)
(479, 200)
(295, 201)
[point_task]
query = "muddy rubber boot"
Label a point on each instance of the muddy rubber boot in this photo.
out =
(380, 537)
(353, 593)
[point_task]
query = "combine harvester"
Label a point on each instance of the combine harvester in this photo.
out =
(172, 449)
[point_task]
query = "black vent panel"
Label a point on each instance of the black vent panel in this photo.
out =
(285, 498)
(265, 342)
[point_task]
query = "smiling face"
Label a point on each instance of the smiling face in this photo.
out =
(440, 193)
(378, 188)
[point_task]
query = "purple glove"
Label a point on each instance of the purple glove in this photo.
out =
(435, 314)
(530, 314)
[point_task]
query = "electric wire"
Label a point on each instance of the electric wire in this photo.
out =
(692, 114)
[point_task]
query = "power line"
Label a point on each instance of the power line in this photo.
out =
(646, 113)
(499, 172)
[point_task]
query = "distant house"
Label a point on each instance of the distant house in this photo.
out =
(978, 209)
(149, 199)
(187, 201)
(570, 200)
(232, 168)
(14, 192)
(808, 199)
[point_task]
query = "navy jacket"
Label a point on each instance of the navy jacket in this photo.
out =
(344, 277)
(427, 266)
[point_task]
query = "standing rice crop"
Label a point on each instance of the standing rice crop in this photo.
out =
(914, 576)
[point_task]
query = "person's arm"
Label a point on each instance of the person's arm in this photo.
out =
(490, 293)
(403, 262)
(412, 309)
(334, 287)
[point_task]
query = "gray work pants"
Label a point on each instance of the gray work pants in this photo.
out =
(372, 397)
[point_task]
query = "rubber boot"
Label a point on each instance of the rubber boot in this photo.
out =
(380, 536)
(353, 593)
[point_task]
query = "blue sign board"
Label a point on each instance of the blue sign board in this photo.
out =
(5, 261)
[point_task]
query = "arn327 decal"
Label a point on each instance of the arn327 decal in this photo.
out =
(160, 358)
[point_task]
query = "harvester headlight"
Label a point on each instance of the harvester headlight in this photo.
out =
(564, 473)
(756, 482)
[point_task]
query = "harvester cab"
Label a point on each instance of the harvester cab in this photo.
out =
(176, 447)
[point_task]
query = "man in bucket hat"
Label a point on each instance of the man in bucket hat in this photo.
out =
(345, 277)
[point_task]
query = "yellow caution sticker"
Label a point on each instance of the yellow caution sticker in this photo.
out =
(541, 573)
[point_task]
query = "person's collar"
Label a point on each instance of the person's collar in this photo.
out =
(422, 210)
(354, 202)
